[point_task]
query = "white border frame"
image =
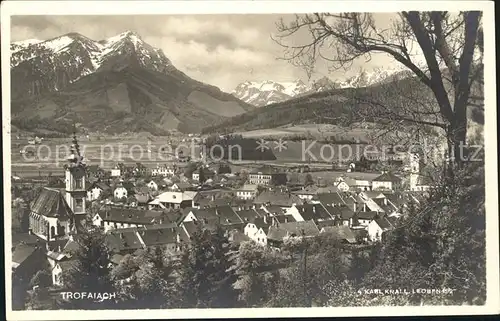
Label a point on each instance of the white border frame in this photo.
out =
(9, 8)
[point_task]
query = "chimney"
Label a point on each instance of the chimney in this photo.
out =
(314, 209)
(30, 231)
(265, 219)
(355, 206)
(121, 236)
(385, 200)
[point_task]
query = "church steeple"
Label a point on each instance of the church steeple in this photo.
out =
(75, 178)
(75, 159)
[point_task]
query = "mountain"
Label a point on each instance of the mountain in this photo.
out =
(114, 85)
(338, 106)
(270, 92)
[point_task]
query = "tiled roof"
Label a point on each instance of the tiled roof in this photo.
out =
(366, 215)
(341, 232)
(25, 238)
(131, 215)
(225, 214)
(273, 209)
(343, 211)
(22, 252)
(279, 198)
(122, 240)
(191, 227)
(388, 177)
(313, 212)
(276, 233)
(248, 215)
(330, 198)
(383, 223)
(159, 236)
(283, 218)
(308, 227)
(262, 222)
(326, 223)
(51, 203)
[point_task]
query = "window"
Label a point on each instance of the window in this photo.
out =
(78, 182)
(78, 205)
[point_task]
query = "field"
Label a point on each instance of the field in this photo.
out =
(50, 156)
(316, 131)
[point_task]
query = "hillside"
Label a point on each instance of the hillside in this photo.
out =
(342, 107)
(120, 84)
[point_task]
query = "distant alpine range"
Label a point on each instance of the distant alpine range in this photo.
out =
(124, 85)
(269, 92)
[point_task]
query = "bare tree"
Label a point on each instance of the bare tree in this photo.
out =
(451, 45)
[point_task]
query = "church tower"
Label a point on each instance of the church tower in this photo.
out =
(75, 179)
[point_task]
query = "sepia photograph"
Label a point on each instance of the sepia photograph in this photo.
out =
(249, 158)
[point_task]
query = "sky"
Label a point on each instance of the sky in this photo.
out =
(221, 50)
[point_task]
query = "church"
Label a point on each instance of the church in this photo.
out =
(55, 214)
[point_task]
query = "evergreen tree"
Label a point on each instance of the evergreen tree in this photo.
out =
(90, 271)
(204, 279)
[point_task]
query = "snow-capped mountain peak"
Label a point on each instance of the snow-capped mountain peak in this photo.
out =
(269, 92)
(74, 56)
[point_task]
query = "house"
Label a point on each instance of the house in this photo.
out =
(307, 212)
(209, 198)
(257, 229)
(139, 170)
(267, 175)
(140, 200)
(387, 182)
(116, 171)
(377, 227)
(96, 190)
(330, 199)
(342, 186)
(94, 171)
(124, 241)
(280, 198)
(168, 237)
(344, 213)
(51, 217)
(223, 215)
(124, 190)
(61, 268)
(342, 233)
(306, 193)
(180, 186)
(27, 259)
(202, 172)
(366, 203)
(361, 181)
(163, 170)
(247, 192)
(364, 218)
(248, 215)
(278, 233)
(156, 184)
(176, 200)
(110, 218)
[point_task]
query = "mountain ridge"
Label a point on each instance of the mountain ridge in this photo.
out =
(65, 79)
(269, 92)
